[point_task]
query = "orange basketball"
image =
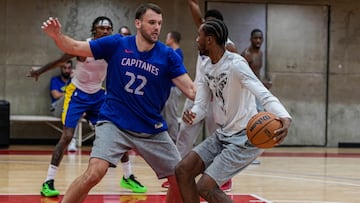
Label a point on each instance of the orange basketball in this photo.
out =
(260, 130)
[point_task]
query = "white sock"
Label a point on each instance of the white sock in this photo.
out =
(51, 172)
(127, 169)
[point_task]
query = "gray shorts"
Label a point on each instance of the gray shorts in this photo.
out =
(158, 150)
(56, 107)
(225, 156)
(188, 133)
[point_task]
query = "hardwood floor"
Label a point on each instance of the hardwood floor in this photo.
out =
(284, 175)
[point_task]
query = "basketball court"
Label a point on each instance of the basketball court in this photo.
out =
(285, 175)
(145, 198)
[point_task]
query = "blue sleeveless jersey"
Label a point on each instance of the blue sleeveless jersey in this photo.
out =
(137, 83)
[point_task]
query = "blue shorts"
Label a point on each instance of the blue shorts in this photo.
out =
(78, 102)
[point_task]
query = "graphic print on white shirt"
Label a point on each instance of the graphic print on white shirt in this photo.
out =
(217, 85)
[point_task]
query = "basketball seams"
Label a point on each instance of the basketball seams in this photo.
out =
(256, 116)
(264, 128)
(264, 125)
(257, 133)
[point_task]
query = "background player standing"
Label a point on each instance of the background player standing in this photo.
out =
(171, 112)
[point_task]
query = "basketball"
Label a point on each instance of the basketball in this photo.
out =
(260, 130)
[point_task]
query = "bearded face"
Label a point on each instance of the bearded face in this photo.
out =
(66, 75)
(66, 70)
(149, 26)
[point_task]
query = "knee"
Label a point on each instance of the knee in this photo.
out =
(183, 171)
(67, 135)
(180, 170)
(190, 166)
(93, 175)
(92, 178)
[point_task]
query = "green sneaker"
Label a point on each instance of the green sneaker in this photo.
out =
(132, 184)
(48, 189)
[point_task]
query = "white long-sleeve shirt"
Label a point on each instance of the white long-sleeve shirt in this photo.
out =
(233, 86)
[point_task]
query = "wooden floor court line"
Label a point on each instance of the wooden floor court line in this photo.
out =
(284, 175)
(101, 198)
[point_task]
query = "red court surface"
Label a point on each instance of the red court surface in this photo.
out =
(265, 154)
(149, 198)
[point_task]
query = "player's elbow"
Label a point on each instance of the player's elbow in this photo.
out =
(191, 93)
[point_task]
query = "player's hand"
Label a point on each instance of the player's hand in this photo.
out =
(282, 132)
(188, 117)
(34, 73)
(52, 27)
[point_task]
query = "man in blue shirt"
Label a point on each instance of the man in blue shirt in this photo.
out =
(84, 96)
(57, 87)
(141, 71)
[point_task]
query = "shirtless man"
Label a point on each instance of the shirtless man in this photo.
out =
(254, 55)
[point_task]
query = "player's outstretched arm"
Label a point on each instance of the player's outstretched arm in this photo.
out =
(35, 72)
(186, 85)
(195, 12)
(52, 27)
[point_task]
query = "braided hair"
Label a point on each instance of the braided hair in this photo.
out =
(217, 29)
